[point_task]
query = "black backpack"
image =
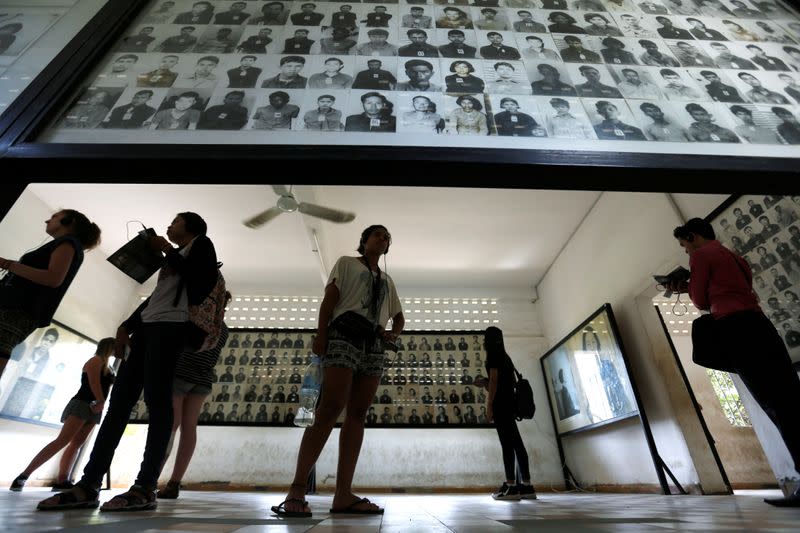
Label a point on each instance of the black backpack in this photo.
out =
(523, 398)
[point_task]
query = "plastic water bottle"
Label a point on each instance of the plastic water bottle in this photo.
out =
(309, 392)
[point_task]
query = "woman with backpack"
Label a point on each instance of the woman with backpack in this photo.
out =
(500, 408)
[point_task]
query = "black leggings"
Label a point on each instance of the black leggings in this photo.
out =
(511, 442)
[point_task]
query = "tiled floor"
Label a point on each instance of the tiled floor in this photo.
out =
(248, 512)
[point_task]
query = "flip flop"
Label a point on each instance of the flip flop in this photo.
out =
(68, 500)
(350, 509)
(280, 510)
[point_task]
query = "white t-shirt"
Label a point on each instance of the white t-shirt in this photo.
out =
(354, 281)
(160, 308)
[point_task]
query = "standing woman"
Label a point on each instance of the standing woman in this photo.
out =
(194, 374)
(500, 409)
(80, 416)
(35, 285)
(358, 292)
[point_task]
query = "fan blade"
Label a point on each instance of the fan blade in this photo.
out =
(333, 215)
(280, 190)
(262, 218)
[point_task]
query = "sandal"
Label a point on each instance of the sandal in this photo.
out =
(136, 499)
(350, 509)
(280, 510)
(70, 499)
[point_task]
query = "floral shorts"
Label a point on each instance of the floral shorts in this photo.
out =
(361, 359)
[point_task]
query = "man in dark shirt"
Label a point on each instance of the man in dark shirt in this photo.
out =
(593, 87)
(669, 31)
(230, 115)
(163, 76)
(256, 44)
(200, 14)
(718, 91)
(418, 46)
(497, 50)
(379, 18)
(611, 128)
(374, 78)
(299, 44)
(456, 46)
(231, 358)
(512, 123)
(272, 14)
(613, 52)
(178, 44)
(792, 88)
(138, 42)
(764, 61)
(289, 76)
(789, 129)
(132, 115)
(576, 53)
(246, 75)
(345, 18)
(235, 15)
(307, 16)
(700, 31)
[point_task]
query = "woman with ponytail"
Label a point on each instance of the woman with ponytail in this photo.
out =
(35, 284)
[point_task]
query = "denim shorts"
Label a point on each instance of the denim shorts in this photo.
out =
(359, 357)
(180, 386)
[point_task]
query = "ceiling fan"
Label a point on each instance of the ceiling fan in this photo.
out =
(287, 204)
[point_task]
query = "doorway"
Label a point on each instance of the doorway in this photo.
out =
(725, 415)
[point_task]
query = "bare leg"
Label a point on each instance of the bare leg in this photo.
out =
(68, 457)
(335, 394)
(177, 413)
(192, 405)
(350, 438)
(68, 431)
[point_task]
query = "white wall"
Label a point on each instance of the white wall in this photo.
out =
(624, 240)
(98, 299)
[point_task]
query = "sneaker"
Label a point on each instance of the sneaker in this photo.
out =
(526, 492)
(62, 485)
(506, 492)
(18, 483)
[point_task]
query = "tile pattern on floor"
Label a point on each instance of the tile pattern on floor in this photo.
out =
(248, 512)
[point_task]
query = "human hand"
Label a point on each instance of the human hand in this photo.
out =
(159, 243)
(389, 336)
(5, 264)
(320, 343)
(97, 407)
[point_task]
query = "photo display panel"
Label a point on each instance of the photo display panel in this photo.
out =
(430, 381)
(655, 76)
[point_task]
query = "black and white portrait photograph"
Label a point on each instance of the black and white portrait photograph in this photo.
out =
(457, 43)
(515, 116)
(636, 83)
(506, 77)
(91, 107)
(612, 120)
(593, 81)
(419, 75)
(277, 110)
(422, 113)
(676, 84)
(579, 48)
(565, 118)
(371, 112)
(180, 109)
(323, 110)
(134, 108)
(330, 72)
(465, 114)
(660, 121)
(375, 73)
(260, 40)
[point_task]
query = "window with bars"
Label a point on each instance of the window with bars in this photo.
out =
(729, 398)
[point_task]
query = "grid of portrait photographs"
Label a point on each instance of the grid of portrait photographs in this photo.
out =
(587, 378)
(674, 71)
(430, 381)
(765, 230)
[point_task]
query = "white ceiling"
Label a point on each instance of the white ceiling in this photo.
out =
(445, 239)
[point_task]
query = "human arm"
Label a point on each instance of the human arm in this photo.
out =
(493, 378)
(55, 273)
(326, 308)
(398, 322)
(94, 371)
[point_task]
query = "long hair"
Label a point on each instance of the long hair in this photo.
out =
(105, 348)
(86, 231)
(493, 337)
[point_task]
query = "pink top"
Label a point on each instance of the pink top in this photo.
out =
(718, 284)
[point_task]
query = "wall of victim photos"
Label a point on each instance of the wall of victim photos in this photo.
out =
(709, 71)
(429, 382)
(765, 230)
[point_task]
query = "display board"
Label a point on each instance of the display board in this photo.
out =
(587, 378)
(674, 76)
(43, 374)
(765, 230)
(428, 382)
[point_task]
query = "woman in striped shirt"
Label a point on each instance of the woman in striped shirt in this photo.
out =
(190, 388)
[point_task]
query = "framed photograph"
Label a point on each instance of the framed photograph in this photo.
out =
(587, 377)
(429, 381)
(44, 372)
(22, 26)
(765, 230)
